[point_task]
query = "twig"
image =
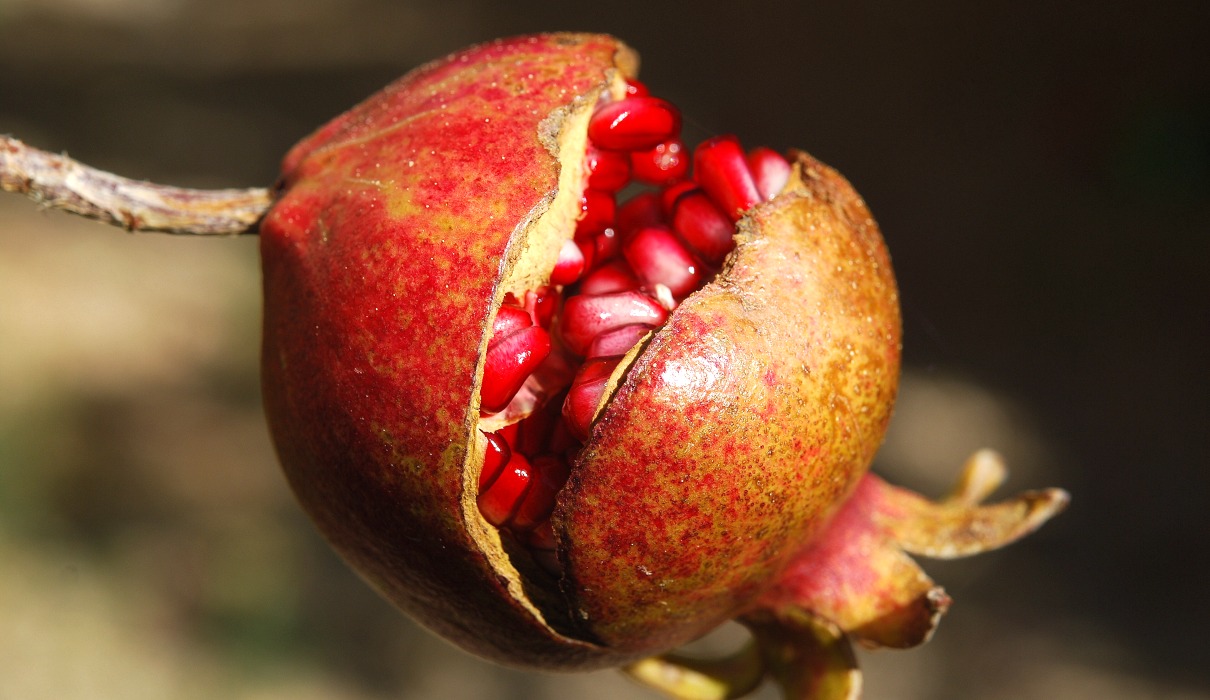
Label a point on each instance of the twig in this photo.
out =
(59, 182)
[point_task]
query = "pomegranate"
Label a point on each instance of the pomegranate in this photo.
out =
(572, 393)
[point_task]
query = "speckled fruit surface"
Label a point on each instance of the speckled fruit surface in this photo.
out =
(731, 437)
(742, 426)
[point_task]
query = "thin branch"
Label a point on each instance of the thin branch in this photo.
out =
(59, 182)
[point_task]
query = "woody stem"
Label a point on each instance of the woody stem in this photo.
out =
(58, 182)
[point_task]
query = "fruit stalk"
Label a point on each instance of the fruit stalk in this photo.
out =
(58, 182)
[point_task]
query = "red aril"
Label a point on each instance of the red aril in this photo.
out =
(570, 264)
(636, 88)
(510, 318)
(541, 305)
(548, 474)
(662, 165)
(703, 226)
(639, 211)
(634, 124)
(597, 210)
(497, 456)
(657, 256)
(606, 246)
(770, 171)
(587, 247)
(586, 393)
(501, 497)
(673, 193)
(721, 168)
(613, 277)
(510, 360)
(617, 341)
(608, 171)
(586, 316)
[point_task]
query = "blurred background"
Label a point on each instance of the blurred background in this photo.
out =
(1041, 172)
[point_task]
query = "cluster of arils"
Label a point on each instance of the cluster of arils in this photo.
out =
(625, 270)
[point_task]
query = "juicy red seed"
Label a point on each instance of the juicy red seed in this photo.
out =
(585, 394)
(610, 278)
(509, 320)
(634, 124)
(597, 211)
(608, 171)
(509, 363)
(703, 226)
(672, 194)
(541, 305)
(548, 474)
(534, 432)
(586, 316)
(606, 246)
(498, 454)
(720, 167)
(570, 265)
(509, 433)
(770, 171)
(662, 165)
(634, 88)
(639, 211)
(553, 471)
(561, 440)
(657, 256)
(588, 251)
(617, 341)
(499, 501)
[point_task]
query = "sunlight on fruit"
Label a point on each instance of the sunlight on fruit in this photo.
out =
(150, 549)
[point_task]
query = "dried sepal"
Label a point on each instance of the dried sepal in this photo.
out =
(858, 576)
(958, 526)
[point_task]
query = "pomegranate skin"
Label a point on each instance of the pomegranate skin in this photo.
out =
(382, 262)
(728, 443)
(740, 429)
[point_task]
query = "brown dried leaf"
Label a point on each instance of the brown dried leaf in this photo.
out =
(959, 526)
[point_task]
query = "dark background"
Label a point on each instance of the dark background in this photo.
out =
(1042, 175)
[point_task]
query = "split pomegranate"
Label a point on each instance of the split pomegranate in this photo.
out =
(568, 391)
(666, 256)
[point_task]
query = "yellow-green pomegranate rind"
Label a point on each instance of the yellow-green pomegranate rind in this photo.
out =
(741, 428)
(382, 261)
